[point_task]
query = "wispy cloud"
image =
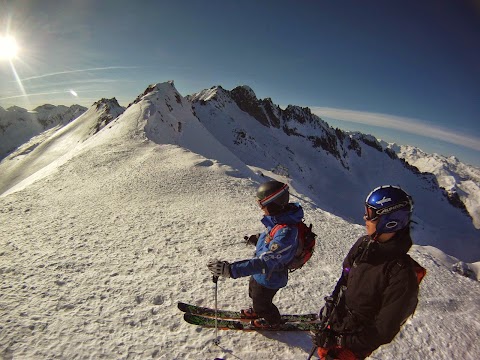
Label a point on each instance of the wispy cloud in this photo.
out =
(78, 71)
(45, 94)
(73, 82)
(408, 125)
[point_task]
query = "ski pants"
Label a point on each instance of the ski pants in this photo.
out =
(262, 302)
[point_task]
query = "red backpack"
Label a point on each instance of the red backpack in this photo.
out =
(306, 244)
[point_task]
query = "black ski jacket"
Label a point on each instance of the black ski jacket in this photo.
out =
(381, 293)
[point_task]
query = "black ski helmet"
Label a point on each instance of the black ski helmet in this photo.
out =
(273, 195)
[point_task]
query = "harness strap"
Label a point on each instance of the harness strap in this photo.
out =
(272, 232)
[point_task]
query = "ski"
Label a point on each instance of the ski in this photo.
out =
(236, 315)
(223, 324)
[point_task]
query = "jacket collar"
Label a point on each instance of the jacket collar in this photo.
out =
(397, 246)
(293, 215)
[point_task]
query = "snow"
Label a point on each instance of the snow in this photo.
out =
(451, 175)
(18, 125)
(96, 252)
(14, 135)
(337, 185)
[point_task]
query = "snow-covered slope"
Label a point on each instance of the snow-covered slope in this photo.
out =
(335, 169)
(42, 154)
(17, 125)
(95, 257)
(165, 117)
(461, 181)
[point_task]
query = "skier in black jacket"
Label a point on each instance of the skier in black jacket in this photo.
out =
(378, 289)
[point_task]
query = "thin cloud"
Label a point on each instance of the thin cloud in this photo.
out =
(409, 125)
(79, 70)
(69, 83)
(45, 93)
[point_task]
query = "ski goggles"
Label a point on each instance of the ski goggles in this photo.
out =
(370, 213)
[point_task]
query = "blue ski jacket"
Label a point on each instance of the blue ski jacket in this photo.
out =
(269, 266)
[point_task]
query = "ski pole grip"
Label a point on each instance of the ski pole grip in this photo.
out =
(215, 279)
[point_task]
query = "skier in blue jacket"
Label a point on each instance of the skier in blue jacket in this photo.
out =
(268, 268)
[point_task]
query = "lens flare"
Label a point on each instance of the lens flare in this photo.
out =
(8, 48)
(8, 52)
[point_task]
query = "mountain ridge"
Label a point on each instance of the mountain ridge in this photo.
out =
(116, 226)
(18, 125)
(331, 167)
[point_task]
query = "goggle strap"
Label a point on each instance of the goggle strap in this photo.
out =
(267, 200)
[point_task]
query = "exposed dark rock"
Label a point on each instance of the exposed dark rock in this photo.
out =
(247, 101)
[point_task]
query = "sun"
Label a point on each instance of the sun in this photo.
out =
(8, 47)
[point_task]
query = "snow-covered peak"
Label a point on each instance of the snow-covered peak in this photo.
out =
(48, 108)
(159, 90)
(18, 125)
(107, 110)
(461, 181)
(162, 116)
(110, 106)
(16, 109)
(215, 93)
(51, 115)
(302, 115)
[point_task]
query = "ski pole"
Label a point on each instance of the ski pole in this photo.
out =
(217, 340)
(312, 352)
(325, 322)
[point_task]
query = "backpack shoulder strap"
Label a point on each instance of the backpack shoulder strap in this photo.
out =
(273, 231)
(420, 272)
(361, 248)
(404, 261)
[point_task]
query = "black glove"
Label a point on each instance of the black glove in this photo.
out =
(251, 240)
(327, 339)
(219, 268)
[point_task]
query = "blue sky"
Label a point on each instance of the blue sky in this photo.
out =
(405, 71)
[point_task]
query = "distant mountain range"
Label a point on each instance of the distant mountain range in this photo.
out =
(332, 168)
(460, 181)
(18, 125)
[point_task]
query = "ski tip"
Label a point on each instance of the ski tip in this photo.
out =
(183, 306)
(194, 319)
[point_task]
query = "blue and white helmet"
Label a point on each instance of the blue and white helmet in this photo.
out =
(391, 205)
